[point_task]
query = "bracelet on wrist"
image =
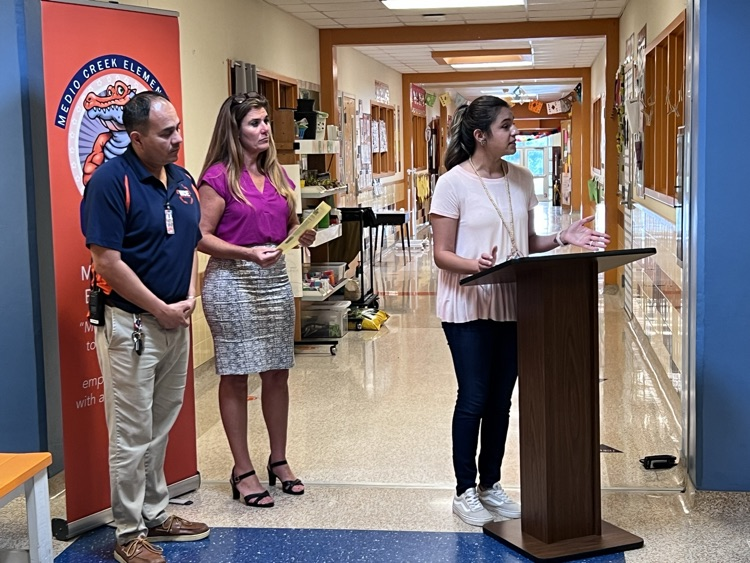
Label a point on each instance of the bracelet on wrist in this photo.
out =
(559, 240)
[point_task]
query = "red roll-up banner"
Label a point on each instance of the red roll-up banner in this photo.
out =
(95, 58)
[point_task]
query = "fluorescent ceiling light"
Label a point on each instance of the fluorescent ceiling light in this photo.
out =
(500, 64)
(485, 58)
(438, 4)
(482, 56)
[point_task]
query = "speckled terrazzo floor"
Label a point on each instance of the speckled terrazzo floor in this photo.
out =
(229, 545)
(370, 436)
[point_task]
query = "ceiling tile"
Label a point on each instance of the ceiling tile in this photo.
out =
(608, 12)
(281, 3)
(351, 7)
(299, 8)
(415, 18)
(567, 8)
(577, 52)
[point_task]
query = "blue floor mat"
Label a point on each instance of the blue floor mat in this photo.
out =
(281, 545)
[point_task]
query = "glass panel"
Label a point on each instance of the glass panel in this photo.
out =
(541, 142)
(539, 186)
(514, 158)
(535, 161)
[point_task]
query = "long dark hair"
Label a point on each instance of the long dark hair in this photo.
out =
(225, 147)
(479, 114)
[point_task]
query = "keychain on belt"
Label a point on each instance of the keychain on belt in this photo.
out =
(137, 335)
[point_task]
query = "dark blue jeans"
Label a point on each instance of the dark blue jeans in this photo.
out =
(485, 360)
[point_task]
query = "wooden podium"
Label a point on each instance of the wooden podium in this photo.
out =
(558, 374)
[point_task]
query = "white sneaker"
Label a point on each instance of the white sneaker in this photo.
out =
(497, 501)
(468, 508)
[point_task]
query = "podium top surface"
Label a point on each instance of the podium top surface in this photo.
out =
(606, 260)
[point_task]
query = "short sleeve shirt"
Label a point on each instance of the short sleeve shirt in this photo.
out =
(262, 221)
(138, 230)
(459, 195)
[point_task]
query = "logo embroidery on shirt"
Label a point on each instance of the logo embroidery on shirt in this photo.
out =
(186, 196)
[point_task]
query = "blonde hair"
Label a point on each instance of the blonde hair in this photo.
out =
(225, 147)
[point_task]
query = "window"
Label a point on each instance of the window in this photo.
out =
(514, 158)
(663, 110)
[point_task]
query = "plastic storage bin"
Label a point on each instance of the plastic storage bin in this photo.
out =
(319, 269)
(323, 323)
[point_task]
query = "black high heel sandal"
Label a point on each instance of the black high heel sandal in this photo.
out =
(286, 486)
(252, 499)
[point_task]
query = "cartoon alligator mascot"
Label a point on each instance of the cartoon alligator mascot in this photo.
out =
(107, 108)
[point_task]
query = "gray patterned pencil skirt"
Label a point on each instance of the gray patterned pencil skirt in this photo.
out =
(250, 311)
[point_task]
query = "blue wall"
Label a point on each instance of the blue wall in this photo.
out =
(722, 193)
(22, 403)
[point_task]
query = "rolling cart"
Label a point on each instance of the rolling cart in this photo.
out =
(354, 221)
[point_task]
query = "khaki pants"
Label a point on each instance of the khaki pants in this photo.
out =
(143, 396)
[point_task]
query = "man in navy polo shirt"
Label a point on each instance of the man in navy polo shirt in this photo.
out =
(140, 217)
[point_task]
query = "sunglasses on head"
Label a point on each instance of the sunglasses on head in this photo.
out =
(244, 97)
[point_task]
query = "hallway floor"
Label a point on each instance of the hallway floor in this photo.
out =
(370, 436)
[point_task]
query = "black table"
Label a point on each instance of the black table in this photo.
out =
(395, 218)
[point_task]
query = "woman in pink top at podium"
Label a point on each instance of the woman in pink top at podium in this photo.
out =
(482, 215)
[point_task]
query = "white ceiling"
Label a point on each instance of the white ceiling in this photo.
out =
(548, 53)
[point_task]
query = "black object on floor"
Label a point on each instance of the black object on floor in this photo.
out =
(663, 461)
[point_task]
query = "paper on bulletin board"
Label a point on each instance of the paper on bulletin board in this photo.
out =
(310, 222)
(565, 188)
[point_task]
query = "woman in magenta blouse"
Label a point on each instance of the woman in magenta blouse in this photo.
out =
(247, 208)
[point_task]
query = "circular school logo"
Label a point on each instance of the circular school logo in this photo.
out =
(91, 111)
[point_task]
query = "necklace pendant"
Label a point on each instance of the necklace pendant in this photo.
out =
(514, 254)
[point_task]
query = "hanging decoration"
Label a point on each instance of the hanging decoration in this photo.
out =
(523, 138)
(444, 98)
(418, 94)
(460, 100)
(556, 107)
(535, 106)
(429, 99)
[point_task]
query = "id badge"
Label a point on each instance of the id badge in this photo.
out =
(169, 220)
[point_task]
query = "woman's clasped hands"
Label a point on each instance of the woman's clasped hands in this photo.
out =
(264, 256)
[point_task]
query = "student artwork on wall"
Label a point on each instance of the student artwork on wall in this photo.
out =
(629, 47)
(382, 92)
(365, 141)
(364, 179)
(375, 135)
